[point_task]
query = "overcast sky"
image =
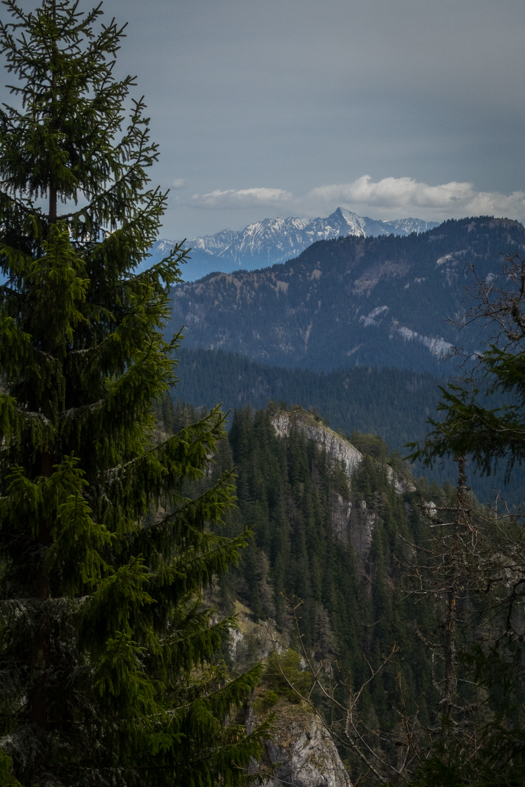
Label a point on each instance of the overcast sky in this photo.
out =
(390, 108)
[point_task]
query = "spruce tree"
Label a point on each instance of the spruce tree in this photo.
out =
(107, 673)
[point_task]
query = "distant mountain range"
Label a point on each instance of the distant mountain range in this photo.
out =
(354, 301)
(271, 241)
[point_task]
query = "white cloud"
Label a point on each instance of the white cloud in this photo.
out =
(454, 199)
(384, 199)
(395, 192)
(242, 198)
(179, 183)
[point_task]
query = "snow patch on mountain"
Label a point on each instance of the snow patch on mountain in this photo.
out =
(371, 318)
(437, 346)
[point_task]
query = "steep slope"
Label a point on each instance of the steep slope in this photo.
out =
(336, 447)
(318, 503)
(270, 241)
(351, 301)
(332, 526)
(337, 525)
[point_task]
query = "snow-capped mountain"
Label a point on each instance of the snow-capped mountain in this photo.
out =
(271, 241)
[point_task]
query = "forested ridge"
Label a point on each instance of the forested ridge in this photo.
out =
(344, 545)
(387, 301)
(392, 403)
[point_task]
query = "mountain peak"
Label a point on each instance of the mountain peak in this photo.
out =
(270, 241)
(345, 214)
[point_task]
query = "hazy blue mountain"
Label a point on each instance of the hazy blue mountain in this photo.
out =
(353, 301)
(276, 240)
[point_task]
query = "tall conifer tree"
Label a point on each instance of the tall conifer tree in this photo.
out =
(105, 675)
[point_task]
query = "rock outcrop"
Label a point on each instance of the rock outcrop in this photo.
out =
(301, 752)
(335, 446)
(260, 637)
(352, 523)
(401, 484)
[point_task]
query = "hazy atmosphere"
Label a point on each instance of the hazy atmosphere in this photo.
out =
(390, 108)
(293, 107)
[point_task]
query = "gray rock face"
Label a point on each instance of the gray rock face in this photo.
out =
(303, 753)
(351, 523)
(335, 446)
(341, 512)
(361, 531)
(354, 524)
(401, 484)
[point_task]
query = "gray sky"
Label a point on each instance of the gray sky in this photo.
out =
(390, 108)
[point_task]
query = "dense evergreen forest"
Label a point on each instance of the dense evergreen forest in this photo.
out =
(344, 545)
(394, 404)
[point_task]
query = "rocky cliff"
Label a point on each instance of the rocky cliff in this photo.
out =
(335, 446)
(353, 523)
(301, 752)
